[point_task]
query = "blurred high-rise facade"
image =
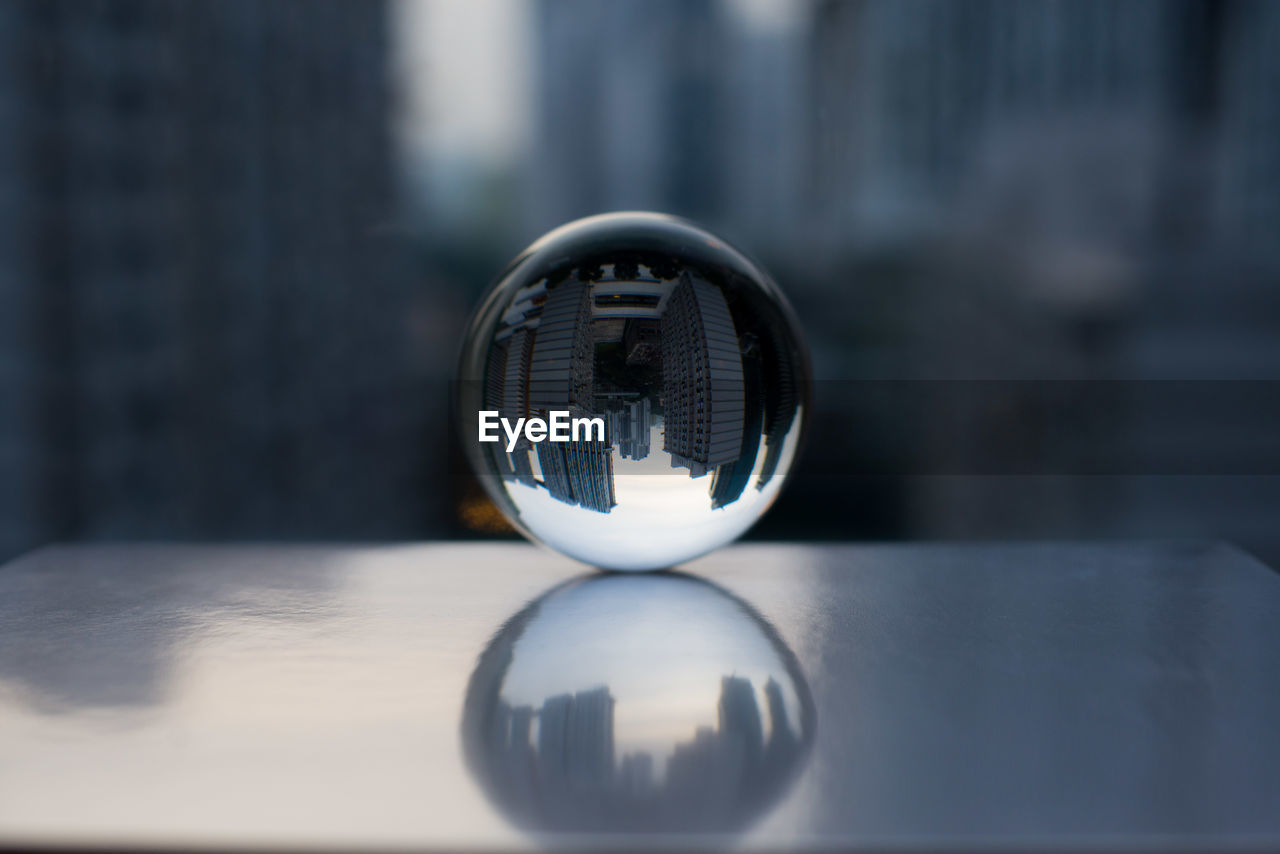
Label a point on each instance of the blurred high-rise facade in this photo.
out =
(626, 108)
(918, 104)
(863, 120)
(204, 324)
(1076, 189)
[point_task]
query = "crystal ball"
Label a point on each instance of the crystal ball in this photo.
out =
(632, 391)
(637, 703)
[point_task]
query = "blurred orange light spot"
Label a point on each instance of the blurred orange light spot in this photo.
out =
(480, 514)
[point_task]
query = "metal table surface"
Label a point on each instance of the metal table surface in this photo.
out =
(1016, 696)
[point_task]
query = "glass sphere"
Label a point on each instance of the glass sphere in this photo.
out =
(632, 391)
(637, 703)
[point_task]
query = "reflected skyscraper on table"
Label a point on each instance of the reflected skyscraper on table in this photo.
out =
(696, 738)
(575, 740)
(572, 754)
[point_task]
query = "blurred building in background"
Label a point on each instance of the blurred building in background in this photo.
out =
(217, 320)
(204, 326)
(628, 113)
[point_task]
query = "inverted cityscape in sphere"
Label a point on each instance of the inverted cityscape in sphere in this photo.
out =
(683, 349)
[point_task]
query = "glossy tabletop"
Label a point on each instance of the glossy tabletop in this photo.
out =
(498, 697)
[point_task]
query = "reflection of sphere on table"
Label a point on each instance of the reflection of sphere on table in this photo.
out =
(680, 360)
(636, 703)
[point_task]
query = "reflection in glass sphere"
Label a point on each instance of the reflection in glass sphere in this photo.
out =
(636, 703)
(681, 359)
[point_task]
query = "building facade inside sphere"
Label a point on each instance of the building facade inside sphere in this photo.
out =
(657, 351)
